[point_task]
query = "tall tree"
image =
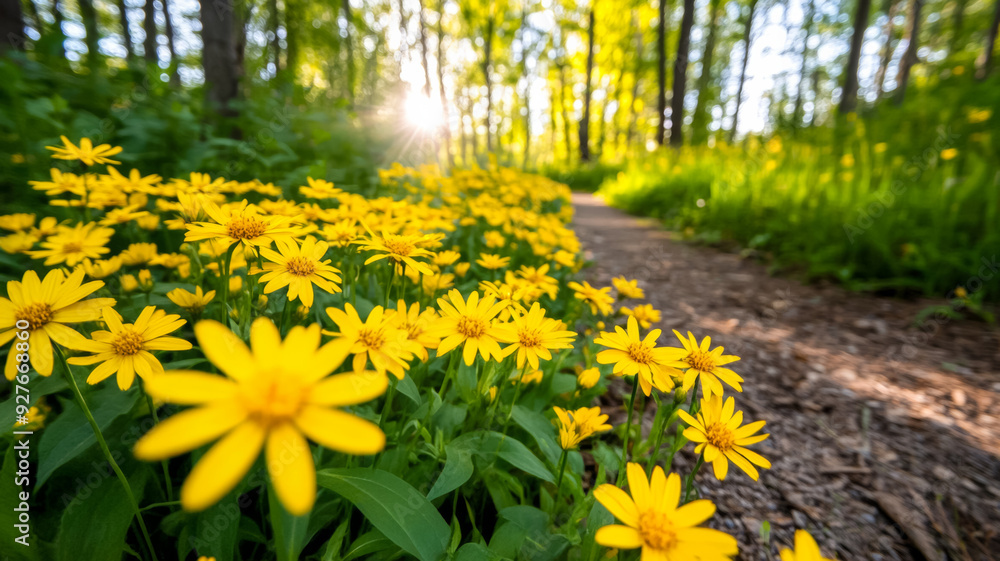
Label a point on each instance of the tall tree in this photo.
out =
(637, 73)
(88, 13)
(680, 76)
(808, 25)
(274, 45)
(525, 79)
(985, 60)
(126, 34)
(701, 118)
(423, 50)
(849, 95)
(565, 117)
(661, 71)
(345, 7)
(584, 129)
(11, 26)
(168, 28)
(219, 53)
(57, 18)
(957, 24)
(910, 56)
(747, 38)
(446, 117)
(487, 75)
(149, 27)
(891, 7)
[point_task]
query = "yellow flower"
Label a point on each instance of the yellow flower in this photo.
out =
(418, 326)
(17, 222)
(125, 348)
(539, 279)
(533, 377)
(123, 215)
(18, 242)
(469, 323)
(35, 416)
(398, 248)
(632, 354)
(376, 339)
(492, 262)
(61, 183)
(194, 303)
(319, 189)
(101, 268)
(340, 234)
(653, 521)
(720, 437)
(145, 280)
(462, 268)
(446, 257)
(47, 305)
(806, 549)
(86, 152)
(646, 314)
(961, 292)
(240, 224)
(532, 336)
(565, 259)
(980, 115)
(299, 268)
(71, 245)
(599, 299)
(437, 282)
(881, 147)
(273, 396)
(494, 239)
(139, 254)
(129, 283)
(628, 288)
(588, 378)
(949, 153)
(574, 426)
(707, 365)
(148, 222)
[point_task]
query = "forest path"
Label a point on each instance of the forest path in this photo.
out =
(885, 438)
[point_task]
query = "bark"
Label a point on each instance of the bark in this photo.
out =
(487, 62)
(345, 6)
(800, 90)
(89, 15)
(292, 19)
(849, 95)
(274, 45)
(661, 73)
(444, 96)
(175, 78)
(584, 130)
(957, 24)
(423, 51)
(747, 41)
(910, 56)
(11, 26)
(701, 118)
(219, 53)
(680, 76)
(635, 86)
(57, 16)
(565, 116)
(891, 7)
(527, 91)
(126, 35)
(985, 60)
(149, 27)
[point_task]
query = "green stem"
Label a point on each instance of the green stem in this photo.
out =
(225, 284)
(559, 478)
(392, 281)
(388, 402)
(689, 481)
(107, 452)
(166, 471)
(517, 391)
(658, 423)
(158, 505)
(628, 430)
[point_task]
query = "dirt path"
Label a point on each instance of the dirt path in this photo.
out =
(885, 438)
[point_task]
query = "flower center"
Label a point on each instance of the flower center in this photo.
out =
(399, 247)
(701, 361)
(275, 399)
(720, 436)
(657, 530)
(371, 338)
(300, 266)
(639, 353)
(72, 247)
(245, 228)
(36, 315)
(127, 342)
(530, 337)
(471, 328)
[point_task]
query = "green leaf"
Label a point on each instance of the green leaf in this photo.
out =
(71, 434)
(466, 379)
(541, 429)
(393, 506)
(81, 538)
(370, 543)
(474, 552)
(409, 389)
(9, 500)
(335, 542)
(289, 530)
(458, 467)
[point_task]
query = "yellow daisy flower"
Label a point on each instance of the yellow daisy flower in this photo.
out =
(125, 349)
(492, 262)
(632, 354)
(240, 224)
(299, 268)
(646, 314)
(651, 519)
(575, 426)
(599, 299)
(195, 302)
(446, 257)
(101, 268)
(17, 222)
(469, 323)
(806, 549)
(719, 435)
(71, 245)
(532, 336)
(47, 305)
(86, 152)
(18, 242)
(398, 248)
(376, 338)
(273, 396)
(707, 365)
(418, 326)
(628, 288)
(139, 254)
(589, 377)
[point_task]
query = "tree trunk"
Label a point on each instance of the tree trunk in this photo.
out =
(565, 117)
(680, 76)
(345, 6)
(985, 60)
(274, 45)
(800, 90)
(661, 73)
(11, 26)
(292, 20)
(219, 53)
(57, 16)
(957, 23)
(910, 56)
(747, 38)
(891, 7)
(487, 62)
(637, 71)
(423, 50)
(89, 15)
(149, 27)
(126, 34)
(849, 95)
(444, 96)
(553, 137)
(527, 90)
(175, 77)
(585, 120)
(701, 119)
